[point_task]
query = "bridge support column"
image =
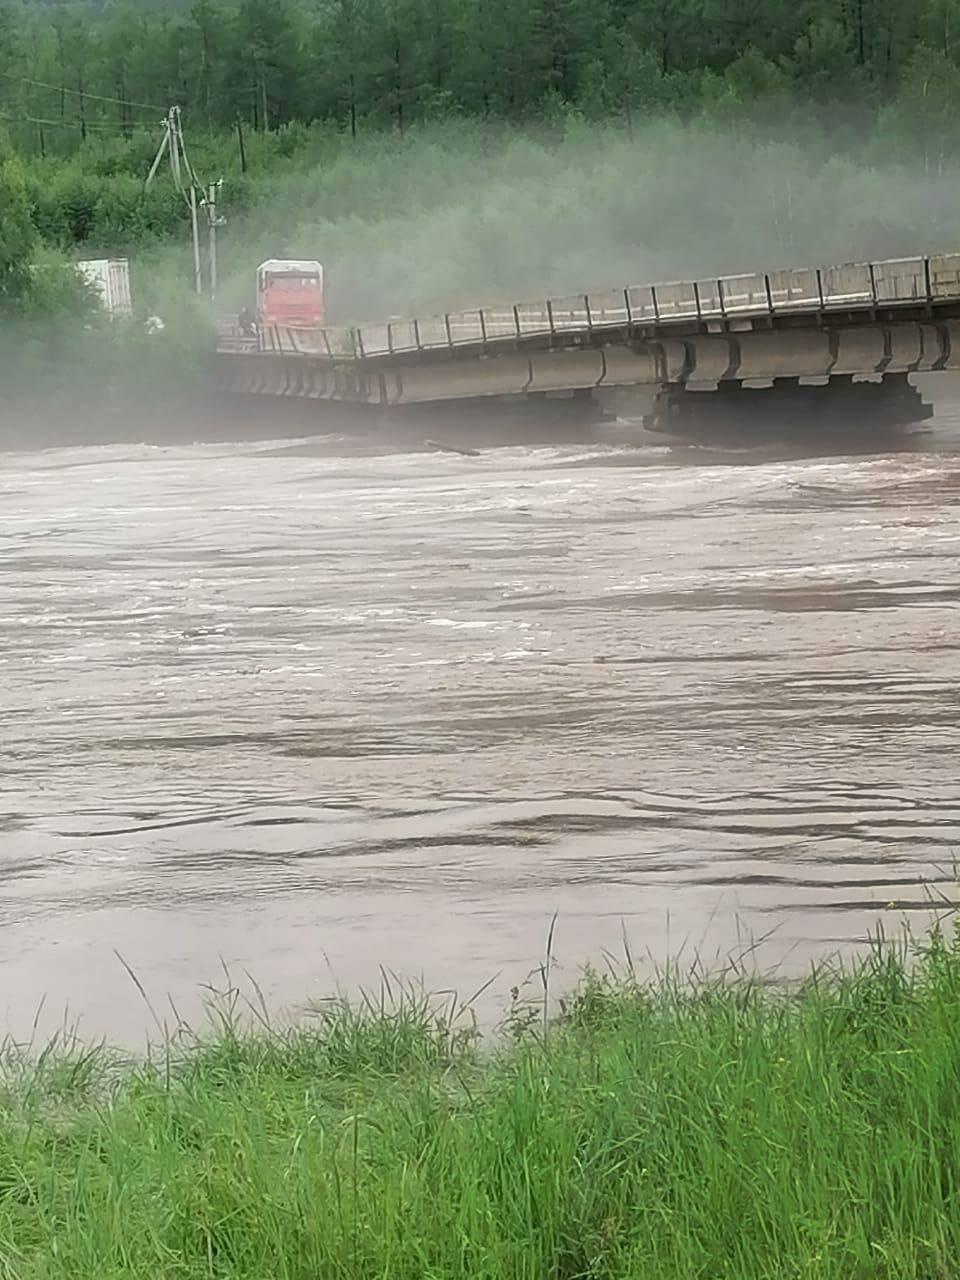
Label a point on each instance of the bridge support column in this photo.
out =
(837, 408)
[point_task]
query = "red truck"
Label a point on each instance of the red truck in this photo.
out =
(290, 294)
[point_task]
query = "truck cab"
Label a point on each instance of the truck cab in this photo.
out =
(290, 293)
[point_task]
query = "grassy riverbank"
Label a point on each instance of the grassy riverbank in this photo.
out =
(662, 1132)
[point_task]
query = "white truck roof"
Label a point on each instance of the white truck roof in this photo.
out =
(291, 266)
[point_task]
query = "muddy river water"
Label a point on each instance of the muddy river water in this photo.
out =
(303, 712)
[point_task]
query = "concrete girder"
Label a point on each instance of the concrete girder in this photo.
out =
(572, 370)
(860, 351)
(950, 340)
(905, 347)
(765, 356)
(934, 347)
(711, 360)
(461, 380)
(622, 366)
(673, 360)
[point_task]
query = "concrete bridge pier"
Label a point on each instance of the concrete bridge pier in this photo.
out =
(839, 407)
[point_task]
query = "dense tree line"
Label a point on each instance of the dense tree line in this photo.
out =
(299, 104)
(69, 71)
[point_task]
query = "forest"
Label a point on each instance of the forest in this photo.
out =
(70, 71)
(83, 86)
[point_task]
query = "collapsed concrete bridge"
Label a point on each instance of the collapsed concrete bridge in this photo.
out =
(809, 336)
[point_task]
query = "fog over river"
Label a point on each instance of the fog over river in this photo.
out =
(309, 711)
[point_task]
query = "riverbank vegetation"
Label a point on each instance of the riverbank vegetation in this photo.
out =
(674, 1130)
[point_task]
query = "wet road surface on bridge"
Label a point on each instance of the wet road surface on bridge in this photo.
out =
(307, 711)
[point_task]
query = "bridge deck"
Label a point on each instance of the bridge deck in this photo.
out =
(915, 287)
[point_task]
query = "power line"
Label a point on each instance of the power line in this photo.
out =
(107, 125)
(186, 159)
(110, 126)
(82, 93)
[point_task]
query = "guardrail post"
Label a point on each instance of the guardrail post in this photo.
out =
(926, 280)
(873, 283)
(389, 337)
(696, 297)
(656, 303)
(820, 287)
(723, 309)
(550, 318)
(483, 327)
(446, 325)
(629, 309)
(516, 318)
(766, 283)
(416, 333)
(356, 336)
(586, 307)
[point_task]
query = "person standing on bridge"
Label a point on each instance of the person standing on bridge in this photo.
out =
(247, 321)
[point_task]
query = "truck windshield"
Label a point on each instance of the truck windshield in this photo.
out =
(292, 282)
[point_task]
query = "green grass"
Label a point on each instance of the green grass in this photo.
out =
(673, 1130)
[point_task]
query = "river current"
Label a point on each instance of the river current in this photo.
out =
(300, 712)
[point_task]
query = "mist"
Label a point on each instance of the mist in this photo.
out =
(456, 215)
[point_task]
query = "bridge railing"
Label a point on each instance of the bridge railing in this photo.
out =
(848, 287)
(943, 273)
(339, 343)
(796, 289)
(903, 280)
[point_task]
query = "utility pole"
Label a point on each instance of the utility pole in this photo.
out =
(214, 221)
(161, 152)
(173, 125)
(172, 146)
(212, 216)
(178, 153)
(195, 229)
